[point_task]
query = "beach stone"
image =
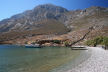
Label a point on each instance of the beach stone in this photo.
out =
(98, 62)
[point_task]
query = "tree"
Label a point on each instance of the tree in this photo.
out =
(67, 43)
(105, 42)
(102, 40)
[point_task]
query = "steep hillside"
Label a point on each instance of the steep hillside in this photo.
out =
(29, 20)
(46, 27)
(93, 16)
(50, 20)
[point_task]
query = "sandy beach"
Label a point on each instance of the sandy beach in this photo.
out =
(97, 62)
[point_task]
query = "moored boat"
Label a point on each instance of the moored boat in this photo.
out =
(32, 46)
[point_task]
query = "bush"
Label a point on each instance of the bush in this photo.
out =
(57, 41)
(66, 43)
(26, 42)
(89, 42)
(105, 41)
(98, 40)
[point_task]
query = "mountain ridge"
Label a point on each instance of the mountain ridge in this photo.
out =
(31, 17)
(50, 19)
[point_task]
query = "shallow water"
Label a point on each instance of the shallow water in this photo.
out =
(76, 61)
(20, 59)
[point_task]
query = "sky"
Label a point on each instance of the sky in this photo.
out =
(12, 7)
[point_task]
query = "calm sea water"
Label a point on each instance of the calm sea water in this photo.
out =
(20, 59)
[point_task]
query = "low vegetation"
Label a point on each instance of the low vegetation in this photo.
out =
(100, 40)
(67, 43)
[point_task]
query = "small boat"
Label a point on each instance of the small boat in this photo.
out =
(79, 48)
(32, 46)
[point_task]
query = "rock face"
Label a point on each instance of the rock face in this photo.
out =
(93, 16)
(30, 20)
(50, 19)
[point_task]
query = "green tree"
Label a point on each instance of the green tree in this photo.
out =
(98, 40)
(66, 43)
(105, 41)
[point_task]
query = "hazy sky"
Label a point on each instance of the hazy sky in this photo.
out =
(11, 7)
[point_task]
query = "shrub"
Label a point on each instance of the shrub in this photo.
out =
(105, 41)
(98, 40)
(89, 42)
(66, 43)
(26, 42)
(57, 41)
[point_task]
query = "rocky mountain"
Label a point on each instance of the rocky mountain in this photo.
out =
(93, 16)
(30, 20)
(49, 19)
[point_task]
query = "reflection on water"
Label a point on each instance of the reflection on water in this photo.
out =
(19, 59)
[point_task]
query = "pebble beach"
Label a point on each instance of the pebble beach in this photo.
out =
(97, 62)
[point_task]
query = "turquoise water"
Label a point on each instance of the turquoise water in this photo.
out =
(20, 59)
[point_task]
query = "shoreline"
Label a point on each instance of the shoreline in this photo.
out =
(97, 62)
(43, 60)
(84, 55)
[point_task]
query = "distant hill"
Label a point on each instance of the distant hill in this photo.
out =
(49, 19)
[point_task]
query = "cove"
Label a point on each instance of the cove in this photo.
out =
(15, 58)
